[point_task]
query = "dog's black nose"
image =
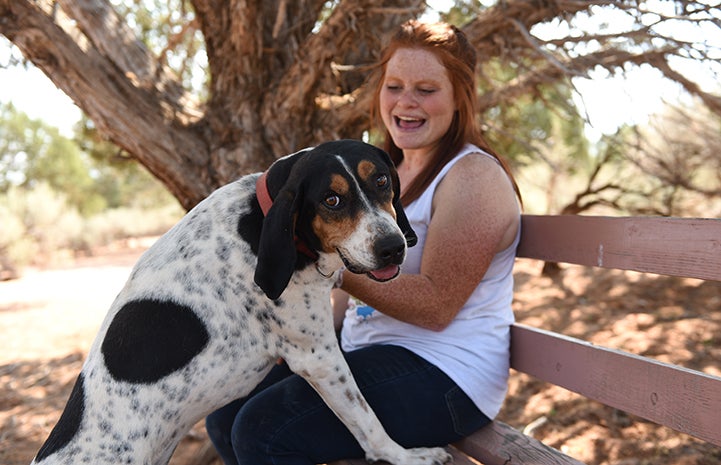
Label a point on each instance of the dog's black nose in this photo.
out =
(391, 249)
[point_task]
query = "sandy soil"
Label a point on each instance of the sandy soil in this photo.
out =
(49, 317)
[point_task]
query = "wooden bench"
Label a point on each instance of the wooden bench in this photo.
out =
(686, 400)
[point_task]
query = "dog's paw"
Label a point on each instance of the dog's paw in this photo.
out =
(421, 456)
(431, 456)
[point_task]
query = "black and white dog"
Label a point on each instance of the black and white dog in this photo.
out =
(212, 305)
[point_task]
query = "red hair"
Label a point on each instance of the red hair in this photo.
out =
(450, 45)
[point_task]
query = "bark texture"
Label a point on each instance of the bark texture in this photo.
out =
(283, 74)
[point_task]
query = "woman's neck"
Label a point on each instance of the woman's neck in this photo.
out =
(414, 161)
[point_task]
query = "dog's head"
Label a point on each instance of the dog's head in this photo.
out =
(341, 197)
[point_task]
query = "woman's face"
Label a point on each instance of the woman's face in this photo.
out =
(416, 99)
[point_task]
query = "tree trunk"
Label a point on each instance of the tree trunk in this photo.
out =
(283, 74)
(266, 68)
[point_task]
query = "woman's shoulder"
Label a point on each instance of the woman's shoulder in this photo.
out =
(476, 178)
(478, 189)
(478, 167)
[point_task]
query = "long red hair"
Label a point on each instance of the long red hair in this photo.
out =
(458, 56)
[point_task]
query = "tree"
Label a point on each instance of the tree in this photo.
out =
(119, 179)
(678, 154)
(286, 74)
(33, 153)
(90, 173)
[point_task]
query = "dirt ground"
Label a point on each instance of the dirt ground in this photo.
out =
(49, 317)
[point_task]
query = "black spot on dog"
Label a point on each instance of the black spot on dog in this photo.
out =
(150, 339)
(69, 423)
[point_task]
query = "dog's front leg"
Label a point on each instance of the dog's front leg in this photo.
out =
(327, 371)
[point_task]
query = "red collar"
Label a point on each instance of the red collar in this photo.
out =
(265, 201)
(261, 191)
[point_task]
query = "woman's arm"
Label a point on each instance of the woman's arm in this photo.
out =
(475, 215)
(339, 302)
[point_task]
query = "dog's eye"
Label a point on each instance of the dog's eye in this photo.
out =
(332, 201)
(382, 180)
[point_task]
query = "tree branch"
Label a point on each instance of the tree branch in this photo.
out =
(106, 30)
(349, 35)
(713, 102)
(136, 120)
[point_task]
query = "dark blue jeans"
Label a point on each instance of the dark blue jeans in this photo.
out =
(284, 421)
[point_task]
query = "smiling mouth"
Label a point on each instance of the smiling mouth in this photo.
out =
(406, 122)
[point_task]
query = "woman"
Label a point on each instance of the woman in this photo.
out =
(430, 349)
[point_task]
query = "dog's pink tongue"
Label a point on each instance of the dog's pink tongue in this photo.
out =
(384, 274)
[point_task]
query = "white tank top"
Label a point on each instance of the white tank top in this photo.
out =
(474, 349)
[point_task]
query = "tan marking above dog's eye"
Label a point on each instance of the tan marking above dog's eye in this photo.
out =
(339, 184)
(366, 169)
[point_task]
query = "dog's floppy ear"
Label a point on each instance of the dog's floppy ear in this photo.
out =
(276, 250)
(401, 218)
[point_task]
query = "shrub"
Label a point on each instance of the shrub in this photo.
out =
(38, 227)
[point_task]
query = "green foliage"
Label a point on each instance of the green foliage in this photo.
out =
(92, 173)
(32, 152)
(59, 195)
(462, 11)
(543, 123)
(120, 180)
(162, 26)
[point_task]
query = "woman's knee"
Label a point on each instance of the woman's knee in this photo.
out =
(292, 424)
(262, 418)
(220, 421)
(219, 425)
(259, 430)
